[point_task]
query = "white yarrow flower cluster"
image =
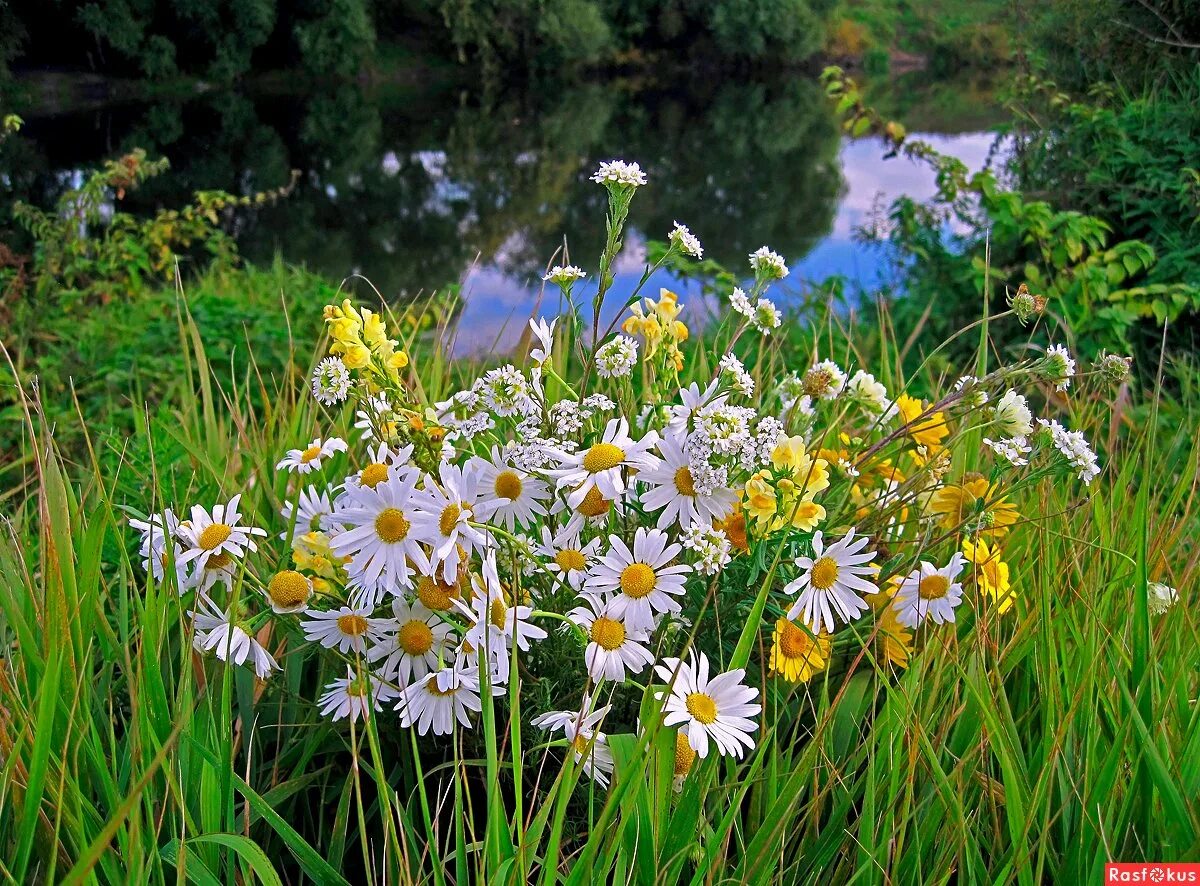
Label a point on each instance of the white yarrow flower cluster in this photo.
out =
(768, 265)
(618, 172)
(710, 546)
(617, 357)
(1074, 447)
(687, 242)
(564, 275)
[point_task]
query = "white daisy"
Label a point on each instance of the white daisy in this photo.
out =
(544, 333)
(230, 641)
(566, 557)
(443, 514)
(313, 514)
(718, 709)
(383, 463)
(692, 400)
(346, 628)
(288, 592)
(832, 581)
(600, 466)
(348, 696)
(642, 581)
(496, 627)
(672, 487)
(588, 743)
(436, 700)
(377, 535)
(302, 461)
(159, 548)
(413, 641)
(929, 592)
(613, 647)
(510, 496)
(206, 536)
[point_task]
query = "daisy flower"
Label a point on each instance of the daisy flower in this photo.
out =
(641, 581)
(348, 696)
(230, 640)
(566, 557)
(692, 400)
(346, 628)
(383, 464)
(673, 490)
(588, 743)
(832, 580)
(435, 701)
(302, 461)
(443, 516)
(600, 467)
(497, 627)
(313, 512)
(796, 654)
(217, 535)
(544, 333)
(718, 709)
(929, 592)
(412, 642)
(159, 548)
(511, 497)
(289, 591)
(613, 647)
(377, 535)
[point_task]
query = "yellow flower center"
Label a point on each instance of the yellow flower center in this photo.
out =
(415, 637)
(601, 457)
(684, 482)
(219, 560)
(438, 692)
(701, 706)
(637, 580)
(684, 755)
(581, 744)
(449, 519)
(933, 587)
(391, 526)
(373, 474)
(352, 625)
(824, 573)
(508, 485)
(214, 535)
(498, 614)
(570, 560)
(594, 504)
(608, 633)
(434, 594)
(794, 642)
(288, 588)
(357, 688)
(309, 454)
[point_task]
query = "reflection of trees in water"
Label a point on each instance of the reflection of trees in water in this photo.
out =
(409, 190)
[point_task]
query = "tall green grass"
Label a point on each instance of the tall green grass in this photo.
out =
(1026, 748)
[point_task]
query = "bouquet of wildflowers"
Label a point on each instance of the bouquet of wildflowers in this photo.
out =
(605, 490)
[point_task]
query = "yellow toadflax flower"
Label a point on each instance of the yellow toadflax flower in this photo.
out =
(360, 335)
(931, 430)
(975, 502)
(796, 655)
(991, 572)
(658, 325)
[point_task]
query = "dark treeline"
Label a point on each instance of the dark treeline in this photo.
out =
(224, 40)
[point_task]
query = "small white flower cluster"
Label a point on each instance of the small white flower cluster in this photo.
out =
(617, 357)
(331, 381)
(564, 275)
(742, 381)
(711, 547)
(687, 242)
(1014, 450)
(618, 172)
(1060, 367)
(768, 265)
(1075, 448)
(763, 315)
(1012, 415)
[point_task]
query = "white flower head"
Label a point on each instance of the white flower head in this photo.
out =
(1074, 447)
(620, 173)
(642, 581)
(825, 380)
(544, 333)
(930, 593)
(687, 242)
(1012, 415)
(741, 303)
(741, 380)
(411, 643)
(832, 582)
(616, 357)
(444, 513)
(864, 390)
(354, 696)
(564, 275)
(603, 464)
(313, 514)
(614, 648)
(348, 629)
(1160, 597)
(768, 265)
(710, 546)
(303, 461)
(509, 496)
(588, 743)
(230, 640)
(217, 536)
(1015, 450)
(673, 489)
(1059, 366)
(331, 381)
(567, 556)
(433, 703)
(716, 710)
(766, 317)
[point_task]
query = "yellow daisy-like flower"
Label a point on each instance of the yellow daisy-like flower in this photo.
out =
(734, 527)
(893, 641)
(929, 431)
(974, 499)
(760, 500)
(796, 655)
(991, 572)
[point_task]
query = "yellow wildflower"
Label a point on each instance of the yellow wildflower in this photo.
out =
(893, 640)
(974, 500)
(991, 572)
(796, 654)
(929, 431)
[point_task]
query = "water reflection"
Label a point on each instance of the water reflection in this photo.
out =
(425, 189)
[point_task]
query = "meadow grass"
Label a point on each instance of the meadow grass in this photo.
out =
(1027, 748)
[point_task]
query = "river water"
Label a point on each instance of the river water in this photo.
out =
(424, 188)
